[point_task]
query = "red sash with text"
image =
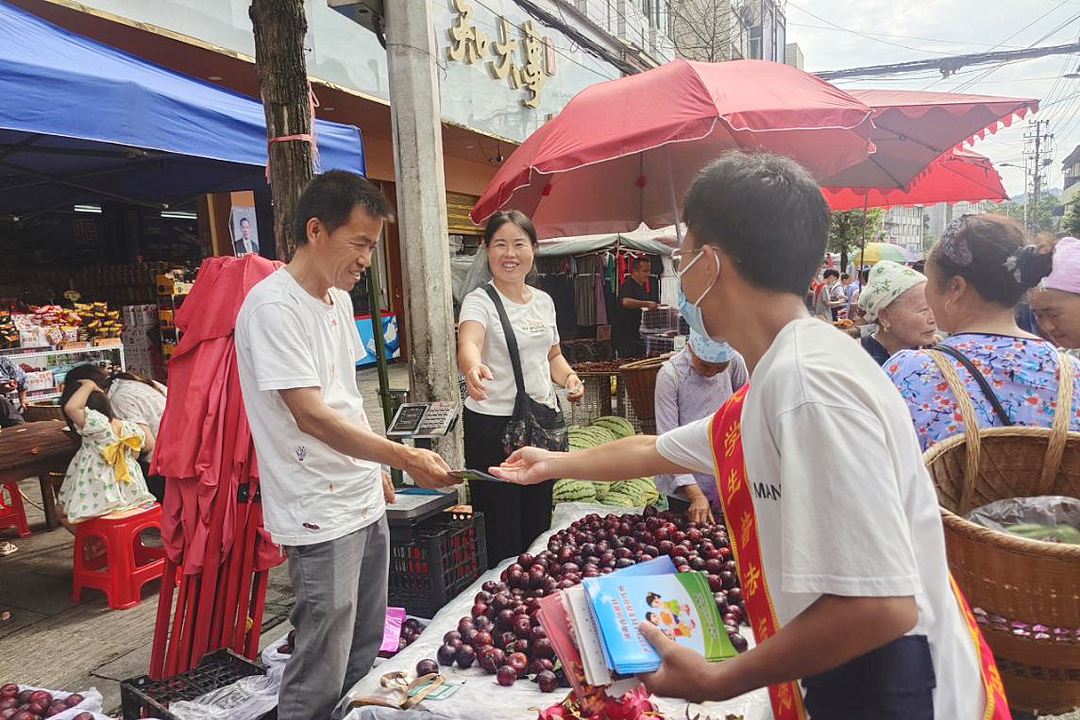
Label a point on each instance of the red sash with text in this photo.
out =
(737, 503)
(738, 506)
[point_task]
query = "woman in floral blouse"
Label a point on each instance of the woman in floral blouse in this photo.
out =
(976, 274)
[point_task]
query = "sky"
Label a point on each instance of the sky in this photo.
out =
(834, 36)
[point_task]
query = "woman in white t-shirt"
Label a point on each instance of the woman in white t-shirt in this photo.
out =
(513, 515)
(140, 400)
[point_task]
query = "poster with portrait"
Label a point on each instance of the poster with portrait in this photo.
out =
(244, 231)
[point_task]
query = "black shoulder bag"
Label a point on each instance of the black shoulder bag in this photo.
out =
(532, 424)
(987, 391)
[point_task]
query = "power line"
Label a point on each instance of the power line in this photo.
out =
(862, 34)
(1048, 12)
(904, 37)
(973, 81)
(949, 65)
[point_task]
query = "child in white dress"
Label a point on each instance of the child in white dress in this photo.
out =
(104, 476)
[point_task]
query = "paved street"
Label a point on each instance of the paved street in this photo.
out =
(53, 642)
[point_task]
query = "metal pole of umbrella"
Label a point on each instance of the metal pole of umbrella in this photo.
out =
(380, 343)
(862, 249)
(674, 200)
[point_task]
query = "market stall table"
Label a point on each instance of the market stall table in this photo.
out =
(480, 697)
(35, 450)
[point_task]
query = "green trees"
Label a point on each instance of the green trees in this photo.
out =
(846, 231)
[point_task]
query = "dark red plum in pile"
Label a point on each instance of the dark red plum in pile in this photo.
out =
(28, 704)
(502, 630)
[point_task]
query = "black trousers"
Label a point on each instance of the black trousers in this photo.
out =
(893, 682)
(514, 515)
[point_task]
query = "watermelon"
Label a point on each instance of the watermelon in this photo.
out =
(620, 427)
(568, 490)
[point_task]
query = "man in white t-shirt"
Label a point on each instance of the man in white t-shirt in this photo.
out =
(854, 562)
(323, 492)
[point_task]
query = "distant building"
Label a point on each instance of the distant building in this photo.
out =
(768, 29)
(1070, 169)
(939, 216)
(903, 226)
(793, 55)
(644, 25)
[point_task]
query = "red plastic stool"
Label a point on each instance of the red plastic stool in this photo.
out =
(127, 564)
(12, 513)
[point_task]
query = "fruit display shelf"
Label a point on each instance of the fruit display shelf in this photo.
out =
(481, 695)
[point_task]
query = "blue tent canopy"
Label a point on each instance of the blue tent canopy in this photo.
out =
(83, 122)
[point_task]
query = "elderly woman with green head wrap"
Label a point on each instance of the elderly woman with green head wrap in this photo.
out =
(895, 299)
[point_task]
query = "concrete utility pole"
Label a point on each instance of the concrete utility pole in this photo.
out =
(1038, 141)
(416, 115)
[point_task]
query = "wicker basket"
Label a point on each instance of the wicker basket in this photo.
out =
(640, 379)
(36, 412)
(1013, 577)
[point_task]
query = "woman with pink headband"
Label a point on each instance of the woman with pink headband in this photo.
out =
(1055, 302)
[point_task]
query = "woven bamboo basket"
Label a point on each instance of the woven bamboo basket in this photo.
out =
(35, 412)
(640, 380)
(1016, 578)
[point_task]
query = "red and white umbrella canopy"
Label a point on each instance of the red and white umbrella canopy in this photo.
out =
(913, 128)
(958, 175)
(622, 151)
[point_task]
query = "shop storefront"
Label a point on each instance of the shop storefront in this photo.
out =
(507, 67)
(103, 214)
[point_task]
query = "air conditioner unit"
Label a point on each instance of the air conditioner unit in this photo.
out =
(362, 12)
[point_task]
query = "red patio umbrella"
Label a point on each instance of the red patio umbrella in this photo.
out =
(913, 128)
(622, 151)
(958, 175)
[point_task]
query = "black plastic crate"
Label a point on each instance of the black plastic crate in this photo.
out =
(433, 561)
(143, 697)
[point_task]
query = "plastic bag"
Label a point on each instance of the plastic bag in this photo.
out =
(1050, 517)
(248, 698)
(392, 629)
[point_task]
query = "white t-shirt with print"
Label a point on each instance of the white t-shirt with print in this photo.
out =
(817, 407)
(536, 332)
(285, 338)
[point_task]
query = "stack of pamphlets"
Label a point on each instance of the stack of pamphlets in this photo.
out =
(593, 627)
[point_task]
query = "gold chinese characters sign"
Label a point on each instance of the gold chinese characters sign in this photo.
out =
(470, 44)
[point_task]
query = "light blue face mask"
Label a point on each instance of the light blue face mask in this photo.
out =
(710, 350)
(690, 311)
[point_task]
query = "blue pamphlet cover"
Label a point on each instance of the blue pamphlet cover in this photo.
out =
(680, 604)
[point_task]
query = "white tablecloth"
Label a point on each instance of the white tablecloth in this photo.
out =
(481, 698)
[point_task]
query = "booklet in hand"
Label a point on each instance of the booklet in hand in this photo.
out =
(588, 650)
(681, 605)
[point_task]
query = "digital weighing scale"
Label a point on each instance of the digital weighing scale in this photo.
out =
(423, 421)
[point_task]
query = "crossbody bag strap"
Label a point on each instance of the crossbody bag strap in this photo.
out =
(987, 391)
(511, 342)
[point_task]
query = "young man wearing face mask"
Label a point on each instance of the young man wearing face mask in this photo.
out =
(844, 575)
(689, 386)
